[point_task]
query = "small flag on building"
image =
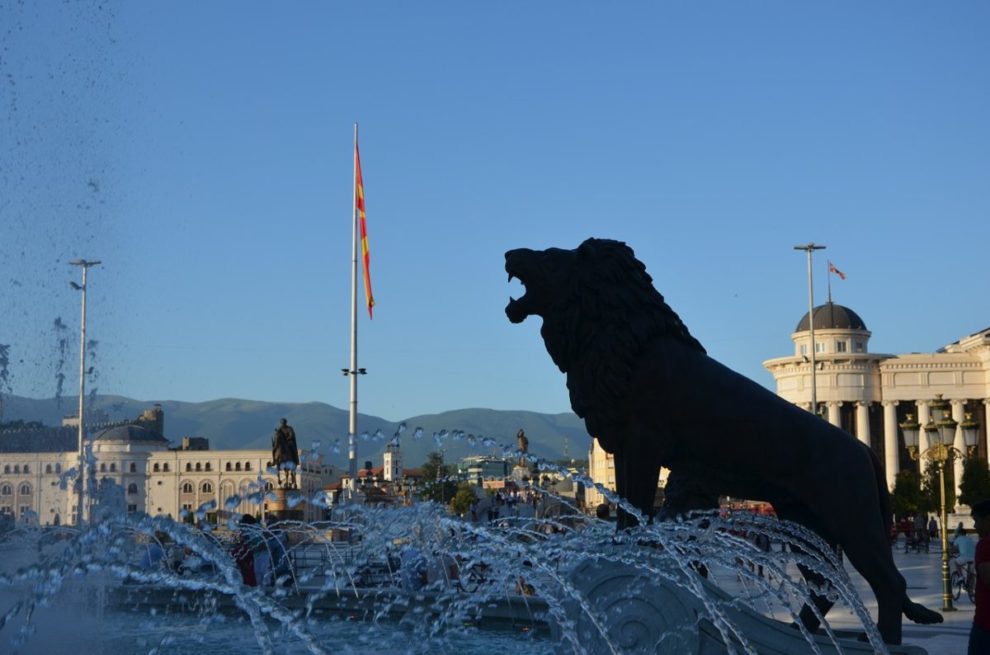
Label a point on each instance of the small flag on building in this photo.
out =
(833, 269)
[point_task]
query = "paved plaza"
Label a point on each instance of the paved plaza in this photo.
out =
(923, 572)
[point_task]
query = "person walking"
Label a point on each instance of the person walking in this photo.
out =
(979, 636)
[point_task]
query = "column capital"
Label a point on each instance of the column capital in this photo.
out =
(833, 403)
(863, 403)
(889, 403)
(957, 402)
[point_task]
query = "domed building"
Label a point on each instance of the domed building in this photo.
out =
(870, 394)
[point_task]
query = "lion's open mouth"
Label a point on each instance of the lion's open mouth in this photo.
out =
(518, 308)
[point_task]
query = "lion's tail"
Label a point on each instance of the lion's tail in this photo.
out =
(883, 493)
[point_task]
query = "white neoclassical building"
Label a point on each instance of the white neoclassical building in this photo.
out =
(137, 471)
(870, 394)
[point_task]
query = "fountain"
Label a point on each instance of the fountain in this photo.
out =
(545, 579)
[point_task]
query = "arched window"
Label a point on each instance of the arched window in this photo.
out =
(6, 490)
(209, 467)
(17, 468)
(27, 469)
(6, 468)
(207, 488)
(58, 468)
(187, 488)
(48, 468)
(247, 466)
(269, 486)
(237, 466)
(188, 466)
(103, 468)
(132, 488)
(133, 467)
(165, 467)
(228, 466)
(113, 467)
(156, 468)
(25, 489)
(199, 466)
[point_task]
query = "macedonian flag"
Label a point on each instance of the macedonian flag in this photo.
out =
(363, 224)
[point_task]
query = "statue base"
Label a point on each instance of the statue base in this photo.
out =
(280, 509)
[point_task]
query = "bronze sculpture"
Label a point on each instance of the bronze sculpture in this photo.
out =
(285, 454)
(652, 397)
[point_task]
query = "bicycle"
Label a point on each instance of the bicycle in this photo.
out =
(963, 577)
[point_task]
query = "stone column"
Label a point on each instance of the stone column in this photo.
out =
(923, 417)
(863, 423)
(891, 452)
(960, 443)
(834, 413)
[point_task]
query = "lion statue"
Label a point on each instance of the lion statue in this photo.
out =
(651, 395)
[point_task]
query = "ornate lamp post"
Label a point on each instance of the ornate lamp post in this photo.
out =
(941, 432)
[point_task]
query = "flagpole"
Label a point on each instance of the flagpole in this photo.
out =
(828, 273)
(352, 423)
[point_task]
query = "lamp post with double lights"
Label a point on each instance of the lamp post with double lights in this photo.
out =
(81, 514)
(941, 433)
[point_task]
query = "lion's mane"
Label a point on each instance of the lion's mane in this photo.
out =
(605, 320)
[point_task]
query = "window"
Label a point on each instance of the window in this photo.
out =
(132, 488)
(228, 467)
(58, 468)
(237, 466)
(27, 469)
(113, 467)
(186, 507)
(25, 489)
(6, 468)
(131, 509)
(17, 468)
(859, 347)
(819, 347)
(840, 346)
(269, 486)
(103, 468)
(48, 468)
(207, 488)
(133, 467)
(209, 467)
(26, 511)
(165, 467)
(6, 490)
(156, 468)
(199, 467)
(804, 349)
(187, 488)
(188, 466)
(247, 466)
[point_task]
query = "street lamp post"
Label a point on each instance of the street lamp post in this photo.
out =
(811, 248)
(82, 490)
(941, 432)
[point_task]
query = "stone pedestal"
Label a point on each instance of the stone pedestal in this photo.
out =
(281, 509)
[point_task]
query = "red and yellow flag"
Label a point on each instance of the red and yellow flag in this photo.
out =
(363, 223)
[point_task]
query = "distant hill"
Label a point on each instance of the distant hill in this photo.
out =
(232, 423)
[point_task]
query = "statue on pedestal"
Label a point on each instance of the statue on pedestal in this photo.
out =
(285, 454)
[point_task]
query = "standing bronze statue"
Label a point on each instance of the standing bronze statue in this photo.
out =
(522, 445)
(285, 454)
(652, 397)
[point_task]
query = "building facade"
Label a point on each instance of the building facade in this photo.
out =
(870, 394)
(136, 470)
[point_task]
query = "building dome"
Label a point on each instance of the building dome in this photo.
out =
(129, 434)
(831, 316)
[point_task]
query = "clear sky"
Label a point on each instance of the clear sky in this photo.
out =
(202, 150)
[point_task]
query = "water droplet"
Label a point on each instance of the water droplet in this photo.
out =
(335, 448)
(400, 430)
(418, 434)
(364, 436)
(379, 435)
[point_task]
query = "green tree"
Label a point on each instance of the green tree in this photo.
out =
(975, 483)
(931, 487)
(463, 497)
(906, 498)
(438, 485)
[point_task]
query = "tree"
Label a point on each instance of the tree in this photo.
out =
(906, 499)
(464, 496)
(931, 487)
(975, 483)
(437, 483)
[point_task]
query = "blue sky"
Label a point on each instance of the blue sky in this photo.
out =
(203, 152)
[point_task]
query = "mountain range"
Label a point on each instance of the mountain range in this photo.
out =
(232, 423)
